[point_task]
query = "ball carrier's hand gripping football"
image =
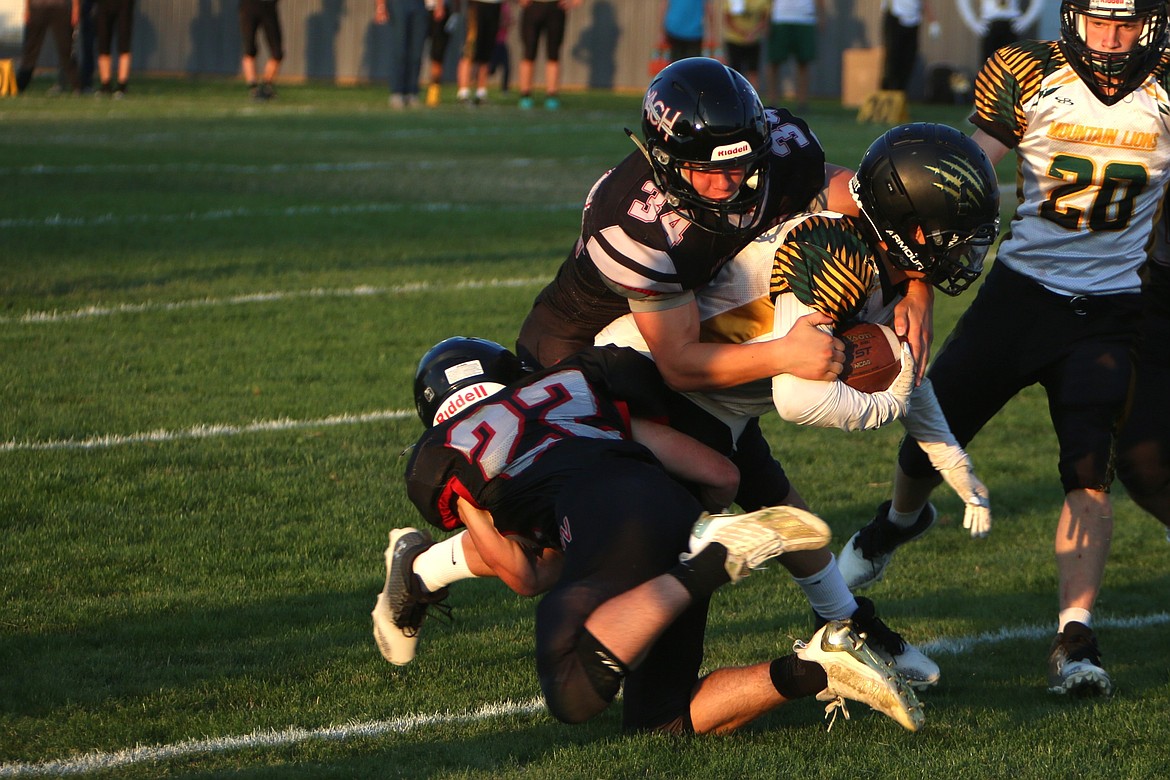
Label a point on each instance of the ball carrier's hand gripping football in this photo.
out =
(874, 388)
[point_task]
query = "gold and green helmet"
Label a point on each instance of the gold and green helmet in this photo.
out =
(931, 197)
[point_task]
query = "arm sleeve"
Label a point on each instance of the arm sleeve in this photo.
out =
(924, 422)
(826, 404)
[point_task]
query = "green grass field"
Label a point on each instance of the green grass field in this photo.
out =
(210, 313)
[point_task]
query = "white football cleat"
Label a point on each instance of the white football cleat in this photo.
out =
(914, 665)
(1074, 664)
(864, 558)
(402, 605)
(754, 538)
(855, 672)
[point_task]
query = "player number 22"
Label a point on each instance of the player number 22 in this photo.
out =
(562, 401)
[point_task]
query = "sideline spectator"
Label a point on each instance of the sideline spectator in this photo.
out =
(999, 22)
(900, 23)
(408, 21)
(685, 27)
(445, 20)
(501, 56)
(483, 22)
(794, 30)
(114, 16)
(257, 15)
(58, 17)
(543, 18)
(84, 45)
(744, 25)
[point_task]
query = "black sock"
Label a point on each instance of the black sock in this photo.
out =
(704, 573)
(795, 678)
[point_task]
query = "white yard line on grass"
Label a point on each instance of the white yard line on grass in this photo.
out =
(203, 432)
(967, 644)
(275, 169)
(100, 761)
(87, 312)
(112, 219)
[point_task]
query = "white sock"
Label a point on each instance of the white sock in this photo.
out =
(443, 563)
(1074, 615)
(481, 93)
(904, 519)
(827, 592)
(463, 93)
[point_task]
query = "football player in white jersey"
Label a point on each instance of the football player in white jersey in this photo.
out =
(1087, 118)
(929, 205)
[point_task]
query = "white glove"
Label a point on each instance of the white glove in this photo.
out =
(934, 30)
(954, 464)
(903, 384)
(1021, 25)
(981, 29)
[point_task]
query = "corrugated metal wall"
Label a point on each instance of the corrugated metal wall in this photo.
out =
(608, 45)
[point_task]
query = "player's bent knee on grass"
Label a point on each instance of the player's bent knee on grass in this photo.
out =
(579, 677)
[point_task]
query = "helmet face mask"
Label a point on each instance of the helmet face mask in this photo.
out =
(1113, 75)
(929, 194)
(699, 116)
(459, 372)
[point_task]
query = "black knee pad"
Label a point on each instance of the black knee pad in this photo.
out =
(604, 670)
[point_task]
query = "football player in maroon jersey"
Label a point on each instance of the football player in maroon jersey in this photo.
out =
(549, 459)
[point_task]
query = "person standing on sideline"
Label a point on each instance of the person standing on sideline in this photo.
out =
(547, 18)
(744, 25)
(114, 16)
(685, 27)
(58, 17)
(999, 22)
(84, 45)
(408, 21)
(1061, 306)
(794, 30)
(256, 16)
(444, 20)
(901, 20)
(483, 22)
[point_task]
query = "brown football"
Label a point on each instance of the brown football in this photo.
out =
(873, 356)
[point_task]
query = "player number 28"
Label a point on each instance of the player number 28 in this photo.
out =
(1117, 187)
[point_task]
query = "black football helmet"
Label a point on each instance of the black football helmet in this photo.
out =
(931, 196)
(700, 115)
(1111, 75)
(476, 366)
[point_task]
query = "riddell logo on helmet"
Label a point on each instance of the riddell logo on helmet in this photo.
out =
(731, 151)
(465, 397)
(1112, 6)
(659, 114)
